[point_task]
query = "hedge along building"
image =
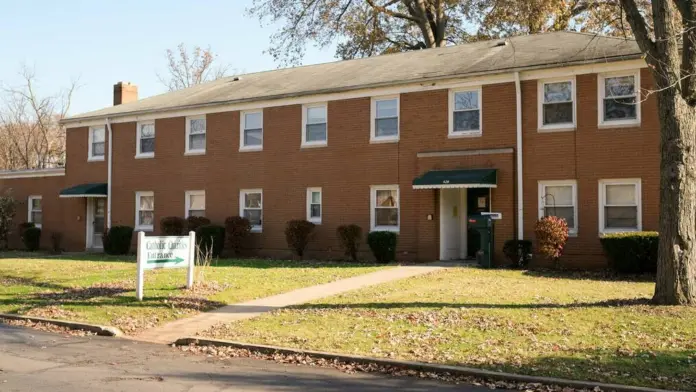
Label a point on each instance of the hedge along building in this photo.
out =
(411, 142)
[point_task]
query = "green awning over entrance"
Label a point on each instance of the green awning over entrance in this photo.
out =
(97, 189)
(462, 178)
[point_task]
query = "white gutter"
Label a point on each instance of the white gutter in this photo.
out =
(108, 176)
(520, 178)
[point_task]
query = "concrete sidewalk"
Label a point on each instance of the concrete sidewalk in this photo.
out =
(170, 332)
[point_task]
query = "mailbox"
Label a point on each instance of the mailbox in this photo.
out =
(484, 224)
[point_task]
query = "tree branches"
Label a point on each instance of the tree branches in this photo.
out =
(186, 70)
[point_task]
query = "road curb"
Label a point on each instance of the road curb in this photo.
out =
(98, 329)
(418, 366)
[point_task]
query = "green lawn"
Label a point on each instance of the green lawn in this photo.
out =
(101, 289)
(578, 326)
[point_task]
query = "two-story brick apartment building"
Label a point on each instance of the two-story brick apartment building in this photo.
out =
(410, 142)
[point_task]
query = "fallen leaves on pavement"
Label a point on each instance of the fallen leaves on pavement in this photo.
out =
(47, 327)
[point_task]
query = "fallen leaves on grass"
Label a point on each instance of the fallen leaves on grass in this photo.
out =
(52, 312)
(206, 288)
(133, 324)
(354, 367)
(47, 327)
(104, 289)
(192, 304)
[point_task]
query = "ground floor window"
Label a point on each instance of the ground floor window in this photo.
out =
(619, 205)
(35, 211)
(384, 200)
(251, 207)
(314, 210)
(144, 211)
(559, 198)
(195, 203)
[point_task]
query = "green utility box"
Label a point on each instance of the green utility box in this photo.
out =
(484, 225)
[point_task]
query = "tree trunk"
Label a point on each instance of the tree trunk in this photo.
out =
(676, 266)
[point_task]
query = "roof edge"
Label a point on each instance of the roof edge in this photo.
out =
(31, 173)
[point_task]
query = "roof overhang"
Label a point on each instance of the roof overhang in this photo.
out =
(97, 190)
(461, 178)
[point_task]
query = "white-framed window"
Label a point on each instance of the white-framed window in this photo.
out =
(251, 131)
(315, 125)
(620, 205)
(557, 104)
(465, 112)
(560, 198)
(145, 140)
(195, 203)
(619, 99)
(251, 207)
(384, 207)
(385, 119)
(195, 135)
(35, 213)
(314, 205)
(144, 211)
(97, 143)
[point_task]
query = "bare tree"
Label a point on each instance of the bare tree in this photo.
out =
(186, 69)
(668, 40)
(30, 134)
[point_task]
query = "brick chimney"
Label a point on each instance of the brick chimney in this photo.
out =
(125, 92)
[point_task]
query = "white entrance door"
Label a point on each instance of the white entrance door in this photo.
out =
(96, 208)
(453, 224)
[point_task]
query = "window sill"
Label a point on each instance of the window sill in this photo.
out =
(194, 152)
(95, 159)
(144, 156)
(610, 125)
(314, 145)
(315, 221)
(559, 128)
(146, 229)
(385, 228)
(256, 229)
(250, 148)
(384, 140)
(457, 135)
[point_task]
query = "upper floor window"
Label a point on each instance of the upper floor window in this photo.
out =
(195, 203)
(314, 125)
(560, 198)
(618, 99)
(384, 200)
(144, 211)
(385, 119)
(97, 142)
(465, 113)
(251, 207)
(35, 210)
(195, 135)
(145, 142)
(251, 137)
(619, 205)
(557, 104)
(314, 211)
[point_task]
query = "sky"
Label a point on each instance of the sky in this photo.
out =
(103, 42)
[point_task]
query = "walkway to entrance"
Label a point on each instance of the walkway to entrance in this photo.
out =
(168, 333)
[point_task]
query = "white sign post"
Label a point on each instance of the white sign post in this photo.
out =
(165, 252)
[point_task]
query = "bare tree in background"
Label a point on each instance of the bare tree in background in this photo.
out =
(30, 134)
(186, 69)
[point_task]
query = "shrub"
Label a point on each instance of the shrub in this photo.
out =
(31, 237)
(210, 239)
(25, 225)
(194, 222)
(237, 229)
(117, 240)
(518, 252)
(349, 236)
(383, 245)
(632, 253)
(56, 240)
(8, 207)
(298, 233)
(173, 225)
(551, 234)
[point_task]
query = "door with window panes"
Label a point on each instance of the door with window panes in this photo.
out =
(99, 206)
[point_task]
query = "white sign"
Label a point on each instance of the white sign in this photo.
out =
(164, 252)
(494, 215)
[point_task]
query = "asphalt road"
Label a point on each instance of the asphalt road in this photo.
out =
(32, 360)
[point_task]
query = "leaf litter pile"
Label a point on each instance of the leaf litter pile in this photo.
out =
(47, 327)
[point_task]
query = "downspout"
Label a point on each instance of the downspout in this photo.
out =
(108, 176)
(520, 198)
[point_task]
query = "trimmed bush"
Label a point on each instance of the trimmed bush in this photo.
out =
(31, 237)
(194, 222)
(25, 225)
(210, 239)
(56, 241)
(237, 229)
(117, 241)
(173, 225)
(632, 253)
(551, 234)
(298, 233)
(518, 252)
(383, 245)
(349, 236)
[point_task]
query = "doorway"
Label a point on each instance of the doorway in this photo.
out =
(479, 201)
(457, 242)
(96, 208)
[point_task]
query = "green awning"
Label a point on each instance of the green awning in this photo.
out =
(462, 178)
(97, 189)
